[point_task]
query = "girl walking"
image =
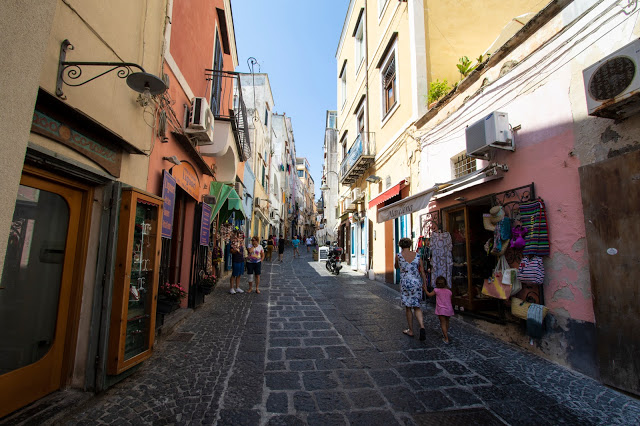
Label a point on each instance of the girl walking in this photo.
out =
(444, 308)
(412, 282)
(254, 262)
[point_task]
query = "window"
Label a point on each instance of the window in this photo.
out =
(332, 120)
(389, 84)
(266, 116)
(343, 83)
(343, 142)
(301, 173)
(359, 41)
(360, 121)
(463, 165)
(216, 79)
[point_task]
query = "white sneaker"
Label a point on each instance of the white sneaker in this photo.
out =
(232, 291)
(239, 290)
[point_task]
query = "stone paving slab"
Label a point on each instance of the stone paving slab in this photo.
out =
(315, 349)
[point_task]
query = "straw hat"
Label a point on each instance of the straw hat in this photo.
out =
(495, 215)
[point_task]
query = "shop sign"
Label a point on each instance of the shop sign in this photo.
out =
(407, 206)
(205, 224)
(187, 178)
(169, 197)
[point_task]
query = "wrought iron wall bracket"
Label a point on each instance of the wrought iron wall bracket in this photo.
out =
(70, 73)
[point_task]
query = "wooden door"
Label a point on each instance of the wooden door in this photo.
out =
(611, 201)
(39, 290)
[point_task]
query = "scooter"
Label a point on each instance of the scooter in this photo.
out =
(334, 259)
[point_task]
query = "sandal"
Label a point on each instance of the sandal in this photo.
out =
(408, 332)
(257, 291)
(250, 290)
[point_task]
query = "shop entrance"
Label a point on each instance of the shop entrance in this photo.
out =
(471, 265)
(40, 288)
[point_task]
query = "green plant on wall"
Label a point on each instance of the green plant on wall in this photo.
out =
(438, 89)
(465, 66)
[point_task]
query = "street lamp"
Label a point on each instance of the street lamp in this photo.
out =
(324, 186)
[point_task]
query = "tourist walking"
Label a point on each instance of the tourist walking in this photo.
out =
(295, 242)
(412, 282)
(280, 248)
(308, 242)
(255, 256)
(237, 262)
(444, 307)
(270, 247)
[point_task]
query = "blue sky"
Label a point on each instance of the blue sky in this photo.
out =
(295, 42)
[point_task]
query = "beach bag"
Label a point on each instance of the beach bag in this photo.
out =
(520, 308)
(531, 270)
(494, 286)
(510, 276)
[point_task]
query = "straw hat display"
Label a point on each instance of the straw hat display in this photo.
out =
(495, 215)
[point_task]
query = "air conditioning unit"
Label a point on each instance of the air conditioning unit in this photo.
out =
(257, 202)
(348, 204)
(357, 194)
(272, 215)
(239, 189)
(200, 124)
(612, 84)
(492, 131)
(209, 199)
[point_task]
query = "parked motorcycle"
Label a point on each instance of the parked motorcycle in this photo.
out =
(334, 259)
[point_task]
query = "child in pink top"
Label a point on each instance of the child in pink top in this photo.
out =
(444, 308)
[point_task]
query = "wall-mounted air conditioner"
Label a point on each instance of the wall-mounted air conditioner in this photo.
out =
(492, 131)
(257, 202)
(200, 123)
(612, 84)
(239, 189)
(357, 194)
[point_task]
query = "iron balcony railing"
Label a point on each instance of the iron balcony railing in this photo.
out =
(227, 104)
(359, 158)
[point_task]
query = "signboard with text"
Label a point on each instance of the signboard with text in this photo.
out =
(187, 178)
(169, 197)
(205, 224)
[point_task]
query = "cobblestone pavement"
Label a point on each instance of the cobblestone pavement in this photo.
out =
(322, 350)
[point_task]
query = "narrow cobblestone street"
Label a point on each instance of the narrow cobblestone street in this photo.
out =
(322, 350)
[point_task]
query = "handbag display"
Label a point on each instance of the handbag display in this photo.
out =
(520, 308)
(494, 286)
(531, 270)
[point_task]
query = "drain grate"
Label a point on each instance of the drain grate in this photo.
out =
(180, 337)
(474, 416)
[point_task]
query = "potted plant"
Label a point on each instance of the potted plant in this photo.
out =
(207, 283)
(315, 254)
(169, 297)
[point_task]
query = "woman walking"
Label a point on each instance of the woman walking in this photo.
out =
(270, 247)
(280, 248)
(254, 262)
(412, 282)
(237, 259)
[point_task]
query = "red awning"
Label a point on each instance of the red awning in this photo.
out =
(389, 193)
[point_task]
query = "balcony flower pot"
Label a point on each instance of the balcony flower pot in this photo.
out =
(169, 297)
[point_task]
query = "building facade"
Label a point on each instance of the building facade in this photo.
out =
(564, 154)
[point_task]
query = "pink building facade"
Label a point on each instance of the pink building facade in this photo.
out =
(537, 79)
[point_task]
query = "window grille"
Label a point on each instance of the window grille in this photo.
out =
(463, 165)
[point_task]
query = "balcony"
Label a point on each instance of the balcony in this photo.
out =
(359, 158)
(230, 114)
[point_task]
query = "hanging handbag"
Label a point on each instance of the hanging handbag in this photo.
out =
(531, 270)
(494, 286)
(520, 308)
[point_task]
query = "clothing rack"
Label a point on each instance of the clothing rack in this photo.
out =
(430, 223)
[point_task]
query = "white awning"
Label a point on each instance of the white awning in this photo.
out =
(420, 200)
(409, 205)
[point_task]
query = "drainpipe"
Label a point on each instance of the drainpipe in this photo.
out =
(368, 263)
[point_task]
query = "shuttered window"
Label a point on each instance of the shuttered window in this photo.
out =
(389, 84)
